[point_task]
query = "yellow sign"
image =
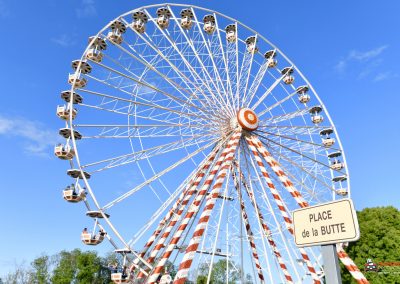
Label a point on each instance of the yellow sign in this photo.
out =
(328, 223)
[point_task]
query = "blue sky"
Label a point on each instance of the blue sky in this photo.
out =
(348, 50)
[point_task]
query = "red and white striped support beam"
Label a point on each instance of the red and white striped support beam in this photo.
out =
(205, 216)
(252, 140)
(266, 229)
(279, 202)
(350, 265)
(344, 258)
(193, 209)
(248, 229)
(182, 201)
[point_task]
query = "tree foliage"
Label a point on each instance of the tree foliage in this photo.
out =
(380, 241)
(65, 267)
(219, 275)
(40, 270)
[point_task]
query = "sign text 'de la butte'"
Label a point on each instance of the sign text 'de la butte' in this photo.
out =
(327, 223)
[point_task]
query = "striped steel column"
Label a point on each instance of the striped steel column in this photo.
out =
(193, 209)
(205, 216)
(182, 202)
(279, 202)
(248, 229)
(267, 231)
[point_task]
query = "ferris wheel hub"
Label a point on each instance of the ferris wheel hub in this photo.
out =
(247, 119)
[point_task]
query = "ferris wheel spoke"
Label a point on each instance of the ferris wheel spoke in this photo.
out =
(282, 209)
(278, 103)
(147, 153)
(178, 88)
(232, 55)
(229, 90)
(211, 57)
(149, 42)
(157, 176)
(210, 104)
(294, 129)
(296, 152)
(297, 139)
(256, 84)
(114, 134)
(265, 228)
(266, 93)
(118, 132)
(132, 102)
(154, 88)
(287, 116)
(244, 76)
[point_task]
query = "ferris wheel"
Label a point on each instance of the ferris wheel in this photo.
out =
(190, 139)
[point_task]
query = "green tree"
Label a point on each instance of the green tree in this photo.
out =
(89, 266)
(218, 273)
(66, 267)
(380, 241)
(80, 267)
(40, 273)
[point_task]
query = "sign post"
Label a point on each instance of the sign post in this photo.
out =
(326, 225)
(331, 264)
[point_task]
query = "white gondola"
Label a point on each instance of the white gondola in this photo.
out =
(163, 15)
(75, 173)
(270, 56)
(76, 98)
(92, 240)
(341, 190)
(115, 35)
(303, 96)
(94, 55)
(209, 24)
(84, 67)
(71, 195)
(139, 21)
(66, 133)
(251, 43)
(118, 26)
(336, 164)
(63, 112)
(287, 75)
(327, 141)
(97, 42)
(77, 81)
(64, 152)
(316, 118)
(186, 19)
(231, 33)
